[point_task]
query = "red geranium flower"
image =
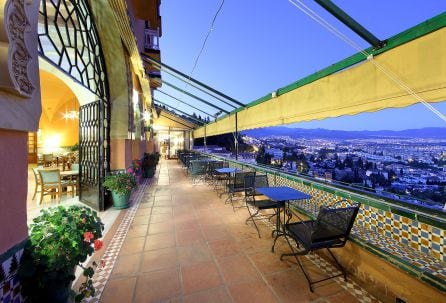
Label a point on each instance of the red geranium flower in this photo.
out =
(88, 235)
(97, 244)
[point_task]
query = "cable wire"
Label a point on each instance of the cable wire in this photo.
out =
(211, 28)
(392, 76)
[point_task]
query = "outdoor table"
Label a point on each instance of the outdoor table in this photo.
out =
(282, 195)
(227, 170)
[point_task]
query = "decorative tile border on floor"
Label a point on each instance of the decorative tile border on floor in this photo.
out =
(102, 274)
(353, 288)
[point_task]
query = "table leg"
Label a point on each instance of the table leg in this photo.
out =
(279, 226)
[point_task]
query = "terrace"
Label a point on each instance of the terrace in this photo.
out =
(180, 242)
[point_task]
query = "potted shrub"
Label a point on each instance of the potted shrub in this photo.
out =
(136, 170)
(149, 163)
(60, 240)
(120, 186)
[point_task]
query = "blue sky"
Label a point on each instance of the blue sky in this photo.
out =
(258, 46)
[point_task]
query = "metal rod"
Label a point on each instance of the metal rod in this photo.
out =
(236, 136)
(350, 23)
(170, 108)
(193, 96)
(194, 85)
(176, 121)
(179, 100)
(192, 79)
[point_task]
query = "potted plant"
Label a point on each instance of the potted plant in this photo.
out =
(120, 186)
(136, 170)
(60, 240)
(149, 163)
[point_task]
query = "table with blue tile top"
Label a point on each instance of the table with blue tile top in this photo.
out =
(281, 195)
(227, 170)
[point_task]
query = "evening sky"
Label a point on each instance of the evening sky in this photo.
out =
(258, 46)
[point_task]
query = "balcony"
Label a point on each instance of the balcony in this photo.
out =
(180, 241)
(151, 40)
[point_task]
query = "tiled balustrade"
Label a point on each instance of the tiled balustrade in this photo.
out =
(409, 239)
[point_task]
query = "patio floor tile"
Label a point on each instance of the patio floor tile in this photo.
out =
(236, 268)
(200, 276)
(216, 295)
(132, 245)
(162, 227)
(159, 259)
(119, 290)
(184, 244)
(157, 286)
(194, 254)
(158, 241)
(127, 265)
(224, 248)
(268, 262)
(252, 291)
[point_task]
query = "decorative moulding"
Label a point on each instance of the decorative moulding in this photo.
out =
(20, 100)
(14, 54)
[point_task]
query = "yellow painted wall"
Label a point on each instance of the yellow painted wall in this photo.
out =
(57, 99)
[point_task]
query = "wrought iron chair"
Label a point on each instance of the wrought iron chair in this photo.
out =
(198, 169)
(221, 179)
(252, 198)
(331, 229)
(237, 185)
(210, 172)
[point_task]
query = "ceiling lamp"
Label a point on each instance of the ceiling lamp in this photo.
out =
(70, 115)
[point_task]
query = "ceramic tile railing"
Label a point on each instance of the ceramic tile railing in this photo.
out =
(410, 239)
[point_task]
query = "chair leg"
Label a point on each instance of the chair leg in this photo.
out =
(344, 273)
(307, 276)
(35, 192)
(251, 217)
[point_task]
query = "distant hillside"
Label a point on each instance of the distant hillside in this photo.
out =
(428, 132)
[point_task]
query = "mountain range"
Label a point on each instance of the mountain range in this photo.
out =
(428, 132)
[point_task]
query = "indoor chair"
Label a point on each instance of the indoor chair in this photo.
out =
(51, 184)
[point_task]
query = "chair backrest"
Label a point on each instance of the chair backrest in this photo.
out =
(239, 178)
(198, 167)
(75, 166)
(334, 223)
(50, 177)
(47, 157)
(252, 182)
(36, 174)
(213, 165)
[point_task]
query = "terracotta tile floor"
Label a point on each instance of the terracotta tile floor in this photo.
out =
(186, 245)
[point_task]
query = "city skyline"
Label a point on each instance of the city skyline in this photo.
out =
(248, 55)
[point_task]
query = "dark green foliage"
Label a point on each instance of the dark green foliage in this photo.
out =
(60, 239)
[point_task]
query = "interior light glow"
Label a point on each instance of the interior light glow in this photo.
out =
(52, 142)
(146, 116)
(135, 98)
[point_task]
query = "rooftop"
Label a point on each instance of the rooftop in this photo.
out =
(180, 242)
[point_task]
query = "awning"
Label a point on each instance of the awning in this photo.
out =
(354, 85)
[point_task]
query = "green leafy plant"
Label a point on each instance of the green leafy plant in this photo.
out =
(75, 147)
(121, 183)
(60, 239)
